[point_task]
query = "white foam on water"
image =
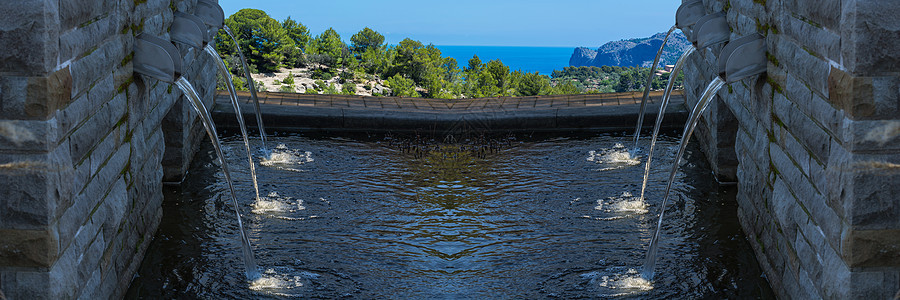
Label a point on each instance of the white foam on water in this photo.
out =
(615, 158)
(285, 285)
(618, 284)
(626, 203)
(284, 158)
(275, 203)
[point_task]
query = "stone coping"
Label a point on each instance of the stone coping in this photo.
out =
(296, 112)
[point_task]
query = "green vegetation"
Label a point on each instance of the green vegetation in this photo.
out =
(609, 79)
(408, 69)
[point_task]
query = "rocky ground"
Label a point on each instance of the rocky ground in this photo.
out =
(366, 85)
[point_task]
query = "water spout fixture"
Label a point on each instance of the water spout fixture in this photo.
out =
(710, 30)
(742, 58)
(156, 58)
(190, 30)
(211, 13)
(687, 15)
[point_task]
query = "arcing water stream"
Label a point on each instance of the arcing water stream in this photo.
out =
(659, 117)
(252, 86)
(640, 122)
(250, 266)
(711, 90)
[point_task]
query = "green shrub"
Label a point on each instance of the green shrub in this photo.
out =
(348, 88)
(330, 90)
(287, 89)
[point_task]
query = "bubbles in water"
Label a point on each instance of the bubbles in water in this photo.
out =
(619, 207)
(275, 203)
(616, 157)
(284, 158)
(274, 283)
(626, 203)
(616, 283)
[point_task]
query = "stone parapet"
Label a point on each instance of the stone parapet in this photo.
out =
(82, 141)
(817, 141)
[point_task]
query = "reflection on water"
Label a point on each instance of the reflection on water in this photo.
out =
(368, 220)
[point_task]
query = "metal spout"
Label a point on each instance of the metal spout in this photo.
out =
(742, 58)
(190, 30)
(687, 15)
(711, 29)
(156, 58)
(211, 13)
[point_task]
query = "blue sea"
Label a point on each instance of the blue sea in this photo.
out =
(527, 59)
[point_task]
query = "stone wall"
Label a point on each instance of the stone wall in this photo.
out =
(817, 143)
(82, 142)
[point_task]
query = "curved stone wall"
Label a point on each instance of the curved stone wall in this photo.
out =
(83, 141)
(814, 145)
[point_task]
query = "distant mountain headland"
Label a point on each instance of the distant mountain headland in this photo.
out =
(632, 52)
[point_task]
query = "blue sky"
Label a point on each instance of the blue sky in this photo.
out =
(559, 23)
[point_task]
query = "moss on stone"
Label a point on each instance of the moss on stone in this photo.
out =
(137, 28)
(89, 52)
(774, 60)
(128, 58)
(811, 52)
(775, 86)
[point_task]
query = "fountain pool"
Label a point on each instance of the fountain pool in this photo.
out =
(356, 216)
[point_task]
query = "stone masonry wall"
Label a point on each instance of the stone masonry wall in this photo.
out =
(82, 142)
(817, 142)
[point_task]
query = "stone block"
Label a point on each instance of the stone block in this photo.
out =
(81, 13)
(28, 136)
(872, 136)
(886, 93)
(873, 248)
(811, 135)
(34, 184)
(801, 62)
(97, 64)
(798, 154)
(820, 14)
(786, 210)
(30, 35)
(103, 90)
(47, 94)
(874, 285)
(116, 203)
(72, 115)
(102, 152)
(75, 42)
(869, 187)
(826, 42)
(29, 285)
(855, 95)
(869, 35)
(86, 136)
(13, 93)
(28, 248)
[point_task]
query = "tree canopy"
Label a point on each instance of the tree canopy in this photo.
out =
(409, 68)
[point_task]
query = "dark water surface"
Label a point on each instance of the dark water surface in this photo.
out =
(358, 217)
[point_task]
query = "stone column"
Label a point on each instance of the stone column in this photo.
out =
(81, 144)
(818, 144)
